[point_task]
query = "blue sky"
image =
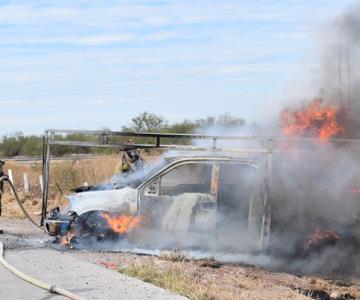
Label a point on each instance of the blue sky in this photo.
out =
(92, 64)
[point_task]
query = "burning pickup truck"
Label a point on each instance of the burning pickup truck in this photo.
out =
(202, 200)
(303, 185)
(282, 197)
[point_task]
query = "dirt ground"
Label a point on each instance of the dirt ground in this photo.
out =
(235, 281)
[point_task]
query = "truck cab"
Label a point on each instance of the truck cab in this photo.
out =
(219, 201)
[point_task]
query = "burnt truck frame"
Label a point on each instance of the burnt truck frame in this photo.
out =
(197, 186)
(258, 216)
(256, 152)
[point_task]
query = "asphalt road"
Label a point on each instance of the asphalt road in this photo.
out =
(27, 251)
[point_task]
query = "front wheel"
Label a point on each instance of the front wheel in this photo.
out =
(91, 227)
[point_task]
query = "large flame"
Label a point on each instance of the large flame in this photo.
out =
(123, 223)
(314, 120)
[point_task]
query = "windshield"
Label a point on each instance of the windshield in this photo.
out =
(134, 179)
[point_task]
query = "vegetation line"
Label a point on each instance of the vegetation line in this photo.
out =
(18, 144)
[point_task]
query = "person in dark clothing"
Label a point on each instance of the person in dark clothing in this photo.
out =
(2, 163)
(134, 157)
(131, 159)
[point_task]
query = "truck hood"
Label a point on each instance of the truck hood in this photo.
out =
(113, 201)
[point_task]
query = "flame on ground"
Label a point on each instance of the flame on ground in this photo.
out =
(65, 239)
(320, 236)
(123, 223)
(314, 120)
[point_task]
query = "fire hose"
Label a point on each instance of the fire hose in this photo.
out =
(6, 179)
(51, 288)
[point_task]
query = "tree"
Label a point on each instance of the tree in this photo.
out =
(225, 120)
(146, 122)
(11, 145)
(18, 144)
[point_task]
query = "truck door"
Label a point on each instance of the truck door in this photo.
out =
(243, 214)
(182, 200)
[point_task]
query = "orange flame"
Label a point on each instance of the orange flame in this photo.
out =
(354, 190)
(314, 120)
(65, 239)
(321, 235)
(123, 223)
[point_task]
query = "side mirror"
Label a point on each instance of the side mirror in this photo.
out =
(152, 188)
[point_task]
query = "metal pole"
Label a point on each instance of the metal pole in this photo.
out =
(43, 209)
(340, 73)
(158, 141)
(214, 142)
(45, 177)
(270, 163)
(266, 222)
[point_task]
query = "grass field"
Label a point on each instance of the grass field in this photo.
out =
(64, 175)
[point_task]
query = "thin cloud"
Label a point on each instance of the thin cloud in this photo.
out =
(160, 36)
(104, 39)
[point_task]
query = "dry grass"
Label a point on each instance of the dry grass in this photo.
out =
(64, 175)
(200, 282)
(67, 173)
(177, 279)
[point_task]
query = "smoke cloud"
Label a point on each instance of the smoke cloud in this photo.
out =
(313, 187)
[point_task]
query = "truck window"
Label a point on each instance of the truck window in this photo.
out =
(189, 178)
